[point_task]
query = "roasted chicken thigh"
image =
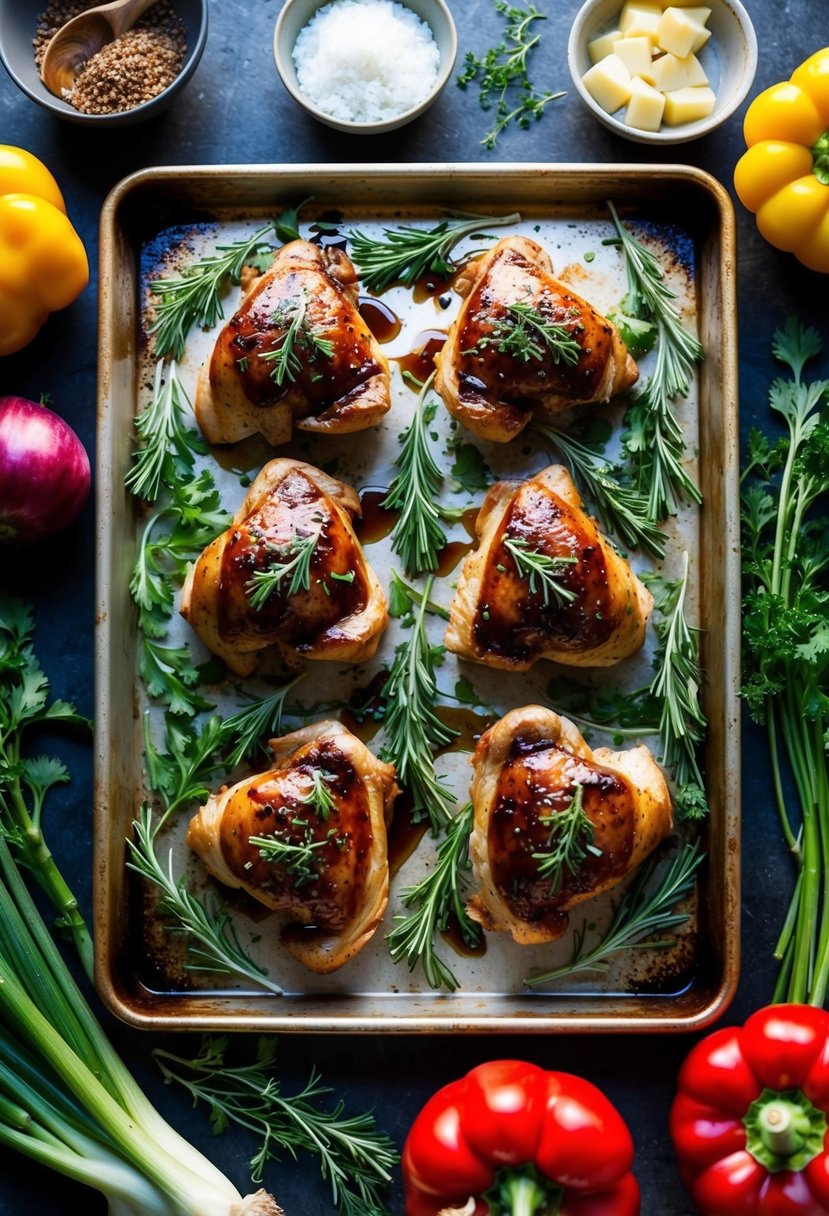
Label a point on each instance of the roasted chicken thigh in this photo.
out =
(297, 352)
(525, 344)
(556, 823)
(288, 573)
(544, 583)
(308, 839)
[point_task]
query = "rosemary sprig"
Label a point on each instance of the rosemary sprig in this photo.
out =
(412, 728)
(434, 899)
(405, 255)
(417, 536)
(403, 598)
(526, 334)
(502, 73)
(319, 796)
(291, 564)
(297, 856)
(167, 446)
(299, 338)
(253, 723)
(540, 571)
(569, 840)
(642, 912)
(622, 509)
(676, 686)
(195, 298)
(212, 943)
(354, 1156)
(655, 442)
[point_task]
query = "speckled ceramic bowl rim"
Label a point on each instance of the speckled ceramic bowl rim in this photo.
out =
(673, 135)
(122, 117)
(447, 64)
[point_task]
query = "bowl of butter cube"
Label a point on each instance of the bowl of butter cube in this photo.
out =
(662, 71)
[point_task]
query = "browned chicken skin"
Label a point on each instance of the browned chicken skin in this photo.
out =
(333, 885)
(528, 768)
(344, 387)
(493, 390)
(499, 615)
(340, 613)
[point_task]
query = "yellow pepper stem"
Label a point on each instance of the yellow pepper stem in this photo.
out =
(820, 159)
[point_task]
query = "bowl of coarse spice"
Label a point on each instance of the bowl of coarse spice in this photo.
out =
(129, 80)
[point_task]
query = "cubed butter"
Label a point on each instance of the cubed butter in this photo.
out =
(688, 105)
(646, 106)
(603, 45)
(608, 83)
(678, 33)
(635, 54)
(640, 17)
(669, 73)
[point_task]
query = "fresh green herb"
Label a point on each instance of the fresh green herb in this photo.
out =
(347, 577)
(412, 727)
(622, 713)
(195, 298)
(786, 645)
(403, 598)
(470, 473)
(654, 441)
(525, 334)
(417, 536)
(354, 1156)
(540, 571)
(291, 564)
(434, 899)
(503, 76)
(212, 943)
(167, 446)
(639, 336)
(300, 338)
(405, 255)
(319, 796)
(676, 686)
(644, 910)
(25, 781)
(250, 725)
(297, 856)
(622, 509)
(569, 840)
(243, 364)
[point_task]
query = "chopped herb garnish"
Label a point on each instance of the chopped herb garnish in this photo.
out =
(526, 334)
(299, 339)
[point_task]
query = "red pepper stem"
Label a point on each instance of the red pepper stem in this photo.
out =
(779, 1125)
(523, 1191)
(784, 1130)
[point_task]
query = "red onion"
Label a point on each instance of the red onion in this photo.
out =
(44, 471)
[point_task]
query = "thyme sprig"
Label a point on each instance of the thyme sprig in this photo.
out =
(405, 255)
(434, 899)
(540, 571)
(526, 334)
(570, 835)
(413, 730)
(655, 442)
(643, 911)
(502, 73)
(291, 564)
(299, 339)
(418, 535)
(195, 297)
(622, 509)
(355, 1158)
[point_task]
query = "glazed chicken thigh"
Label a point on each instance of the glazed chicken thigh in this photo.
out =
(556, 823)
(525, 344)
(544, 583)
(297, 352)
(288, 573)
(308, 839)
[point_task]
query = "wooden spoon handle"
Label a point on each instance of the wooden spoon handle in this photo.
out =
(124, 17)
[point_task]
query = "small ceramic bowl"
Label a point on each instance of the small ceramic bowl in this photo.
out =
(729, 58)
(295, 16)
(18, 22)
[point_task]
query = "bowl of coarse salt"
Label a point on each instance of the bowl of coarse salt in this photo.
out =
(365, 66)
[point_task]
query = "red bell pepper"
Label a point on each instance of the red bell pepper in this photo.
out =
(510, 1139)
(750, 1117)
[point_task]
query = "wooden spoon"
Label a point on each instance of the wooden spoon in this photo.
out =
(83, 37)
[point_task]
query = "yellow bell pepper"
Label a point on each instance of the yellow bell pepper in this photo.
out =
(784, 176)
(43, 264)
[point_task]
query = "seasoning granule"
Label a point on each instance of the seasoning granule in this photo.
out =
(127, 72)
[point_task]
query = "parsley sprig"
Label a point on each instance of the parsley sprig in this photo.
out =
(786, 643)
(540, 571)
(502, 73)
(570, 835)
(434, 899)
(405, 255)
(355, 1158)
(655, 442)
(644, 910)
(526, 334)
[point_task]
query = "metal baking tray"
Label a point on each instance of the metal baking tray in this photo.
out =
(159, 210)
